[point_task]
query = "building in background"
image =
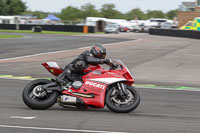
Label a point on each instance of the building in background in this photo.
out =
(14, 19)
(187, 6)
(188, 11)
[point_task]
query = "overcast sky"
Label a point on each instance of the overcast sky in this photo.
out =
(121, 5)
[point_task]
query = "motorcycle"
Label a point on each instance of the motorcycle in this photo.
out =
(96, 88)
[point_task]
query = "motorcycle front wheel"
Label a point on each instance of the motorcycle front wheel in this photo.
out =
(35, 97)
(114, 103)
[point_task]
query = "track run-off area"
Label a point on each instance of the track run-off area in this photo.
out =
(166, 72)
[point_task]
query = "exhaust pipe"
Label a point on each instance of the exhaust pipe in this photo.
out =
(67, 100)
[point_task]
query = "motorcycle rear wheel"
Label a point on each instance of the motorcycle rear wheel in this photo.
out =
(30, 98)
(119, 106)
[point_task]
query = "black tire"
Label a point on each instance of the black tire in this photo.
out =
(127, 109)
(42, 104)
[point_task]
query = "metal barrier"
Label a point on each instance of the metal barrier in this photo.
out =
(176, 33)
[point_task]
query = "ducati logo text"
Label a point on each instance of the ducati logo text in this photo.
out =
(95, 84)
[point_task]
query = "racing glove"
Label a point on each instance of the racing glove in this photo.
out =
(106, 61)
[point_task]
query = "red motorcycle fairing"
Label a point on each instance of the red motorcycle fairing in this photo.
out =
(92, 67)
(92, 93)
(94, 87)
(53, 68)
(95, 83)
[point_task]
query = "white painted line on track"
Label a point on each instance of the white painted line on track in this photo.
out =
(85, 47)
(27, 56)
(32, 55)
(111, 43)
(58, 129)
(120, 42)
(22, 117)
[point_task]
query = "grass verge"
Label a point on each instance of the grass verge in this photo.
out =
(47, 32)
(4, 36)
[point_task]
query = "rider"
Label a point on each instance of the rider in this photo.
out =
(96, 55)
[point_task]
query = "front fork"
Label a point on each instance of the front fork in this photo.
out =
(122, 90)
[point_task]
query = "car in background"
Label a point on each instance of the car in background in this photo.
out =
(151, 23)
(144, 28)
(167, 25)
(135, 28)
(112, 28)
(124, 29)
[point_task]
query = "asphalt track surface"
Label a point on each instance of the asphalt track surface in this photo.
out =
(153, 60)
(33, 44)
(160, 111)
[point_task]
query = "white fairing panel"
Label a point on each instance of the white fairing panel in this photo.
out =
(108, 80)
(53, 65)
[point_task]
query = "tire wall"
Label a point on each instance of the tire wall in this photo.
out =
(176, 33)
(63, 28)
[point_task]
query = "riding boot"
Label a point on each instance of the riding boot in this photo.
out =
(61, 78)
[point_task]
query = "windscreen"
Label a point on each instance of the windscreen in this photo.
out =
(122, 63)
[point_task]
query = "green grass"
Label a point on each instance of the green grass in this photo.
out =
(3, 36)
(47, 32)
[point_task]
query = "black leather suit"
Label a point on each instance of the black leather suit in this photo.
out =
(86, 58)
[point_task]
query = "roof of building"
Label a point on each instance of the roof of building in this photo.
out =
(189, 4)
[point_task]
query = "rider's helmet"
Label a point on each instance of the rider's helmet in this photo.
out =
(98, 51)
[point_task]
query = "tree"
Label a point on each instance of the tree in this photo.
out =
(156, 14)
(3, 7)
(136, 13)
(38, 14)
(70, 13)
(108, 11)
(12, 7)
(16, 7)
(89, 10)
(171, 14)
